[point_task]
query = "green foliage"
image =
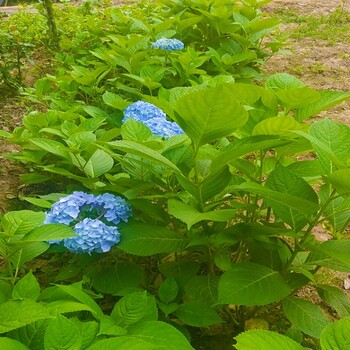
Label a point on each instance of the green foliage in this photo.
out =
(221, 230)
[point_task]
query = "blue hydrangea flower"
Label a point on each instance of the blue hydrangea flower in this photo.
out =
(94, 219)
(93, 236)
(142, 111)
(168, 44)
(153, 117)
(68, 208)
(163, 127)
(115, 209)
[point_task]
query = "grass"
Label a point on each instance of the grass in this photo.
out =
(333, 28)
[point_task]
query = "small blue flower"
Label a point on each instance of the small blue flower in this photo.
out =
(68, 208)
(94, 219)
(153, 117)
(142, 111)
(163, 127)
(93, 236)
(115, 209)
(168, 44)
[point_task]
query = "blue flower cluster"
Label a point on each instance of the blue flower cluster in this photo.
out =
(93, 219)
(153, 117)
(168, 44)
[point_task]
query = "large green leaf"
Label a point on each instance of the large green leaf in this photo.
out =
(336, 249)
(133, 308)
(18, 313)
(251, 284)
(287, 183)
(340, 181)
(191, 216)
(22, 222)
(279, 126)
(21, 252)
(31, 335)
(51, 146)
(336, 336)
(203, 288)
(149, 335)
(144, 152)
(76, 292)
(49, 232)
(197, 314)
(245, 146)
(305, 316)
(11, 344)
(265, 340)
(301, 205)
(62, 333)
(99, 164)
(145, 240)
(282, 81)
(336, 298)
(114, 279)
(26, 288)
(209, 114)
(327, 100)
(331, 140)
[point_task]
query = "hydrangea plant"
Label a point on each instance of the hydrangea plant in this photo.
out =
(168, 44)
(93, 219)
(153, 117)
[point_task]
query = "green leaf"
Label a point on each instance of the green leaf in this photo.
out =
(99, 164)
(110, 327)
(203, 288)
(168, 290)
(121, 276)
(266, 340)
(133, 130)
(51, 146)
(160, 334)
(305, 316)
(18, 313)
(335, 298)
(282, 81)
(26, 288)
(133, 308)
(31, 335)
(331, 143)
(114, 100)
(182, 271)
(303, 206)
(65, 306)
(197, 314)
(251, 284)
(22, 222)
(145, 240)
(88, 331)
(297, 97)
(62, 334)
(123, 343)
(144, 152)
(49, 232)
(336, 249)
(287, 183)
(244, 146)
(209, 114)
(10, 344)
(327, 100)
(38, 202)
(22, 252)
(280, 126)
(340, 181)
(76, 292)
(336, 336)
(81, 140)
(191, 216)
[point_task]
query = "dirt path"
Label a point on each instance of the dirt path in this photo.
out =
(316, 62)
